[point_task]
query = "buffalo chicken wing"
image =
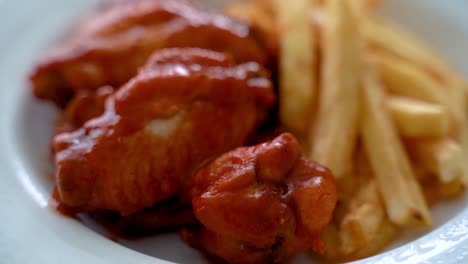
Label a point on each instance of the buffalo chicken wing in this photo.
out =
(183, 108)
(110, 46)
(261, 204)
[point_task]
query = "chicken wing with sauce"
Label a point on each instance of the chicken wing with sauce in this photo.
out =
(261, 204)
(84, 106)
(185, 106)
(110, 46)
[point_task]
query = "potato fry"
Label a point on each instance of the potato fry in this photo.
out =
(405, 79)
(366, 212)
(387, 36)
(395, 177)
(415, 118)
(442, 157)
(321, 96)
(297, 63)
(385, 234)
(360, 225)
(336, 123)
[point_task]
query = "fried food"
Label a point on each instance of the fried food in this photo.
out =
(338, 114)
(261, 204)
(368, 100)
(441, 157)
(297, 63)
(383, 35)
(84, 106)
(185, 106)
(419, 119)
(364, 227)
(401, 193)
(405, 79)
(109, 46)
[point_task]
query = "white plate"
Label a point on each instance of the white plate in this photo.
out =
(31, 233)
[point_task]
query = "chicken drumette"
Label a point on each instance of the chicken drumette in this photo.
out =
(261, 204)
(110, 46)
(183, 108)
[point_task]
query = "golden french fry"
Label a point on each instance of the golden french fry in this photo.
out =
(415, 118)
(387, 36)
(441, 157)
(334, 131)
(386, 233)
(406, 79)
(360, 225)
(401, 193)
(297, 63)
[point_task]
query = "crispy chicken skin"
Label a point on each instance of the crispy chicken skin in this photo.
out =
(184, 107)
(110, 46)
(261, 204)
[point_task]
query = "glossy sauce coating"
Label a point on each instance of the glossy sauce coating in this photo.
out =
(110, 46)
(261, 204)
(184, 107)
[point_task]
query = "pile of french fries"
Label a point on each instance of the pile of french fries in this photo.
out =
(375, 105)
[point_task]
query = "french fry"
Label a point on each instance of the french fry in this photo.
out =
(297, 63)
(366, 214)
(401, 193)
(387, 36)
(361, 224)
(406, 79)
(385, 234)
(415, 118)
(336, 122)
(441, 157)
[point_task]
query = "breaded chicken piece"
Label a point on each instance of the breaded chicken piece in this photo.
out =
(261, 204)
(184, 107)
(110, 46)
